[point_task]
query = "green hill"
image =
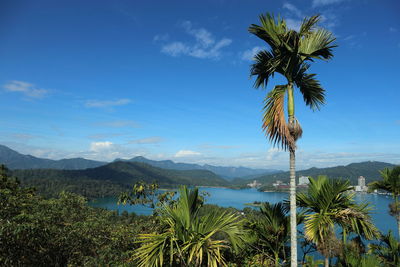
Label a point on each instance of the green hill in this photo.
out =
(369, 169)
(110, 179)
(14, 160)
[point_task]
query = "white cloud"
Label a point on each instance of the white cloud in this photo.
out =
(146, 141)
(392, 29)
(175, 49)
(107, 103)
(186, 153)
(205, 45)
(293, 9)
(249, 54)
(101, 146)
(119, 124)
(28, 89)
(318, 3)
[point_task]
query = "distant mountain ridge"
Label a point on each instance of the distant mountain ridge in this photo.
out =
(368, 169)
(116, 177)
(225, 172)
(15, 160)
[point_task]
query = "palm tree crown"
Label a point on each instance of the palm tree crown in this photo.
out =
(329, 202)
(188, 239)
(289, 55)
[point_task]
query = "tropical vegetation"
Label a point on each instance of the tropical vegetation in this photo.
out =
(184, 231)
(390, 183)
(329, 203)
(290, 54)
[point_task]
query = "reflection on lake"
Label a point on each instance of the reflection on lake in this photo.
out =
(226, 197)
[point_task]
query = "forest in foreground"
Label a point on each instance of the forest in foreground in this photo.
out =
(65, 231)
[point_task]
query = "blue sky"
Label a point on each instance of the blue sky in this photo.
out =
(170, 80)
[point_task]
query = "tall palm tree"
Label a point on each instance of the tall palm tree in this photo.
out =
(187, 239)
(289, 55)
(391, 184)
(329, 203)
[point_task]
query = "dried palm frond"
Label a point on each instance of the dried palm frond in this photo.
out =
(274, 123)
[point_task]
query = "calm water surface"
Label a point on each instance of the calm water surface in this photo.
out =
(226, 197)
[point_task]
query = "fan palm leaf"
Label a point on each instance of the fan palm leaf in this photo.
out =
(189, 239)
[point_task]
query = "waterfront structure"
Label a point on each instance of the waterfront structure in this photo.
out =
(361, 187)
(278, 183)
(254, 184)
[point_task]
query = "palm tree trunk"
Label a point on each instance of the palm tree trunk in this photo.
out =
(293, 220)
(326, 262)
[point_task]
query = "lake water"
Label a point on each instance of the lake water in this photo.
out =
(235, 198)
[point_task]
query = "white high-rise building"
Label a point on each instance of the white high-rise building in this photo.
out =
(361, 187)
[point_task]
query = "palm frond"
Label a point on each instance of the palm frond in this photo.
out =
(309, 24)
(266, 64)
(274, 123)
(270, 31)
(317, 45)
(310, 88)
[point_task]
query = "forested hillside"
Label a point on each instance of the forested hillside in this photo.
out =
(110, 179)
(369, 169)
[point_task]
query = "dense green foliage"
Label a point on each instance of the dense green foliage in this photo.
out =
(65, 231)
(390, 183)
(328, 204)
(113, 178)
(62, 231)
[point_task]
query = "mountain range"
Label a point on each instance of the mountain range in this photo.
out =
(14, 160)
(368, 169)
(114, 177)
(225, 172)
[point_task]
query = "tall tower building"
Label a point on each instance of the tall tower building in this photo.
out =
(361, 181)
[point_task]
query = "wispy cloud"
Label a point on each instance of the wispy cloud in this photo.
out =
(392, 29)
(295, 17)
(147, 141)
(249, 54)
(293, 24)
(205, 46)
(186, 153)
(161, 37)
(103, 135)
(293, 9)
(119, 124)
(101, 146)
(107, 103)
(318, 3)
(27, 89)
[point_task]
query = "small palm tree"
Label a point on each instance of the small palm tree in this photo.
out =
(290, 55)
(329, 203)
(272, 232)
(391, 184)
(188, 239)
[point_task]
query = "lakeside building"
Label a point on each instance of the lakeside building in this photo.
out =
(278, 183)
(361, 187)
(254, 184)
